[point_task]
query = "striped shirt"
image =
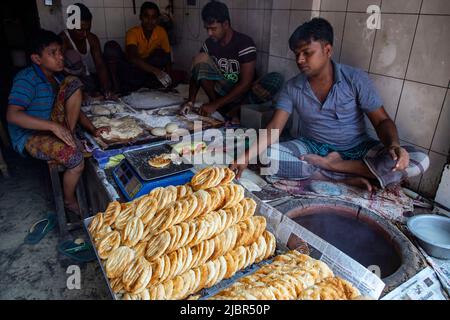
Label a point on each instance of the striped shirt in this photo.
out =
(33, 91)
(241, 49)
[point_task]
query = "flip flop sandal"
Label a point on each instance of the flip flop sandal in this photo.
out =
(77, 250)
(40, 229)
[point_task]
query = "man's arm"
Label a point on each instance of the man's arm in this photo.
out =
(274, 129)
(134, 58)
(244, 84)
(16, 115)
(87, 124)
(65, 42)
(388, 135)
(100, 66)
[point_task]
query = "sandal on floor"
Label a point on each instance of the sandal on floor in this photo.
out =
(40, 229)
(77, 250)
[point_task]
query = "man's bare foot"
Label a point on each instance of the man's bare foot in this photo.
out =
(359, 182)
(323, 162)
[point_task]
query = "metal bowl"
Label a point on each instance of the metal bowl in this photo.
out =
(433, 234)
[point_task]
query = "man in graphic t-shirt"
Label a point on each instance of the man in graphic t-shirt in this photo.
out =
(225, 68)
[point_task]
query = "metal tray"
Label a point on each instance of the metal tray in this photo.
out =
(86, 223)
(138, 160)
(206, 292)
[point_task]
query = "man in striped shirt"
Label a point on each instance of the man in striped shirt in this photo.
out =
(225, 68)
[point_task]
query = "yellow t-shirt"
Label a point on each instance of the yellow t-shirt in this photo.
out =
(158, 40)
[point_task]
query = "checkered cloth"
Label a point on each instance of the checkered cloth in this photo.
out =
(286, 165)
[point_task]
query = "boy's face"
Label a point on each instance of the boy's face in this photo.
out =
(216, 31)
(149, 19)
(51, 58)
(312, 57)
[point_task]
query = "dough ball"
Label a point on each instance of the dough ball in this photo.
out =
(171, 127)
(159, 132)
(100, 110)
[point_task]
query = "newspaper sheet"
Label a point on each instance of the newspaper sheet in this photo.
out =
(423, 286)
(441, 267)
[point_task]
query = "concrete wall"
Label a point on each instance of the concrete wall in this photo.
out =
(252, 17)
(112, 18)
(50, 17)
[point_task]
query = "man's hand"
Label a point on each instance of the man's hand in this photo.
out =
(207, 109)
(186, 107)
(239, 166)
(64, 134)
(110, 96)
(98, 131)
(400, 155)
(164, 78)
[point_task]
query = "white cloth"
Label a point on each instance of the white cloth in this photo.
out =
(87, 59)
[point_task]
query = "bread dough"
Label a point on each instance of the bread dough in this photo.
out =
(171, 127)
(159, 132)
(121, 129)
(107, 109)
(100, 110)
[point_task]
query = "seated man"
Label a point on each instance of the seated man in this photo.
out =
(95, 77)
(225, 68)
(331, 100)
(43, 110)
(148, 59)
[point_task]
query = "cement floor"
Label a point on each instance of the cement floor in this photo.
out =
(34, 271)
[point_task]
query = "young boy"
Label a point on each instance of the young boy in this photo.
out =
(43, 110)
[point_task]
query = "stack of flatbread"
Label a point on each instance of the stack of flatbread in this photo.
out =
(292, 276)
(176, 241)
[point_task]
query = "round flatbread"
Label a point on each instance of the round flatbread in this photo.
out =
(160, 161)
(171, 127)
(158, 132)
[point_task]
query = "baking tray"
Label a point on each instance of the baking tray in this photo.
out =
(86, 223)
(204, 293)
(138, 160)
(152, 99)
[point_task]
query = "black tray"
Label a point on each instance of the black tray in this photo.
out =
(139, 162)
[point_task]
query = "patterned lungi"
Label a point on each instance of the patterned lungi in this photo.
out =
(46, 146)
(373, 153)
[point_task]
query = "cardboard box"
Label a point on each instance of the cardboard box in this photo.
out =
(256, 116)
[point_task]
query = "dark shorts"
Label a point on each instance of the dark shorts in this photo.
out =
(130, 77)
